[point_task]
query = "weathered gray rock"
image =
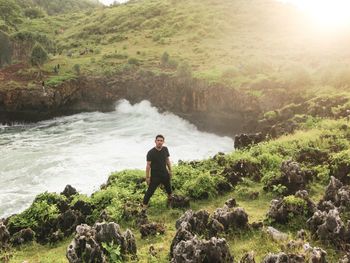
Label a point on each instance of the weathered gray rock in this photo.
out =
(317, 255)
(328, 226)
(276, 234)
(23, 236)
(152, 229)
(84, 207)
(283, 258)
(178, 201)
(235, 218)
(345, 259)
(69, 220)
(292, 177)
(230, 203)
(4, 235)
(245, 140)
(301, 234)
(198, 221)
(195, 250)
(248, 258)
(337, 193)
(281, 209)
(87, 243)
(215, 227)
(183, 233)
(69, 191)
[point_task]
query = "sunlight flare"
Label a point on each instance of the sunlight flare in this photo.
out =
(327, 14)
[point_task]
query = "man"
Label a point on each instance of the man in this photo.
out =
(158, 169)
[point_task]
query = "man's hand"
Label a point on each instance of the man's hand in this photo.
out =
(148, 180)
(170, 174)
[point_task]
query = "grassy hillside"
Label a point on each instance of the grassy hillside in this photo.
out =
(253, 45)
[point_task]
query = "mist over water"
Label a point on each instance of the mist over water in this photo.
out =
(82, 150)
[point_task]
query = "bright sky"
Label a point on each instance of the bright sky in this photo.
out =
(327, 14)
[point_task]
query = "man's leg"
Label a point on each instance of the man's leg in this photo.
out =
(150, 191)
(167, 186)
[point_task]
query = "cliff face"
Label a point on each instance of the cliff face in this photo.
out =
(211, 107)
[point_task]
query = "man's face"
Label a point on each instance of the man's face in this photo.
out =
(159, 142)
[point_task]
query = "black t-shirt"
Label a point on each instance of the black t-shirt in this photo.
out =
(158, 161)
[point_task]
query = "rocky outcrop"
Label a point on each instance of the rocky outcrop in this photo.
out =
(329, 227)
(69, 191)
(283, 257)
(231, 218)
(248, 258)
(292, 177)
(87, 243)
(196, 221)
(152, 229)
(191, 224)
(178, 201)
(23, 236)
(298, 205)
(196, 251)
(245, 140)
(4, 235)
(336, 194)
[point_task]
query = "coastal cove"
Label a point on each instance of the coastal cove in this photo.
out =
(83, 149)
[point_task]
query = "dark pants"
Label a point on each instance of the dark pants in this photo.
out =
(155, 182)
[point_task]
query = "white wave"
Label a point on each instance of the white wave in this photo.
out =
(83, 149)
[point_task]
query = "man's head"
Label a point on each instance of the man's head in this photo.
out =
(159, 141)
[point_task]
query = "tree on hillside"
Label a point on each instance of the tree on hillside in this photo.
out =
(34, 12)
(10, 12)
(5, 49)
(38, 56)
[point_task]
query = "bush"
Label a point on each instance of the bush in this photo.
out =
(201, 187)
(37, 214)
(38, 56)
(76, 69)
(133, 61)
(34, 12)
(164, 59)
(184, 70)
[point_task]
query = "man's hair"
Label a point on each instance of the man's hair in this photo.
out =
(160, 136)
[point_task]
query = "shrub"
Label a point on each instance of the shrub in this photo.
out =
(38, 56)
(34, 12)
(270, 115)
(164, 59)
(184, 70)
(76, 69)
(133, 61)
(38, 213)
(50, 198)
(113, 252)
(201, 187)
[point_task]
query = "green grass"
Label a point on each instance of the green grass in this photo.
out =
(259, 40)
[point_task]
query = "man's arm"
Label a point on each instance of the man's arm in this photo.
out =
(148, 169)
(168, 164)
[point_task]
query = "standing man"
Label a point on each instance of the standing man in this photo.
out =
(158, 169)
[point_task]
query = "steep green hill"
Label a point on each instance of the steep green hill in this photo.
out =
(14, 12)
(58, 7)
(253, 45)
